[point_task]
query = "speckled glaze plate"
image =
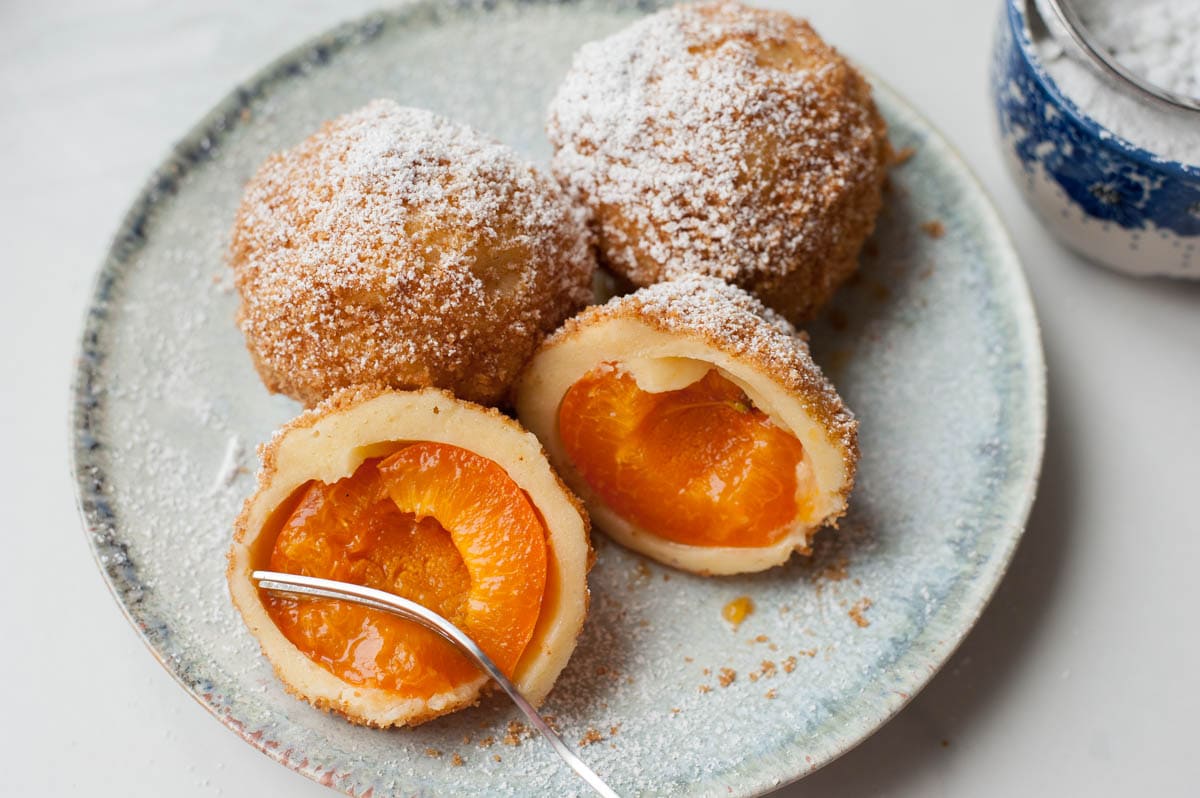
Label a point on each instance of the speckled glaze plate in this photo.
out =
(935, 347)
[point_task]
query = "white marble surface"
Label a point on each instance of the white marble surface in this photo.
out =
(1078, 679)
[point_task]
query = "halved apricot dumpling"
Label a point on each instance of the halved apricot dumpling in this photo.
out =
(426, 496)
(695, 426)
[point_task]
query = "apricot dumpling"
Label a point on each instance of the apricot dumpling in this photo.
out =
(429, 497)
(714, 138)
(695, 426)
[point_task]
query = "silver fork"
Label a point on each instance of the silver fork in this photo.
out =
(278, 582)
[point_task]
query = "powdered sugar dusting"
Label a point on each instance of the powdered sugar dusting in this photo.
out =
(712, 308)
(397, 246)
(231, 465)
(722, 140)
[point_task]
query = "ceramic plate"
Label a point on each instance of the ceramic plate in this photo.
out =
(935, 347)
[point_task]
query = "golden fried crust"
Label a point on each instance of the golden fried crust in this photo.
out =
(329, 442)
(704, 320)
(399, 248)
(723, 140)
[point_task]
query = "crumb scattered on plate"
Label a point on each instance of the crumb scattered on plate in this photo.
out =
(856, 612)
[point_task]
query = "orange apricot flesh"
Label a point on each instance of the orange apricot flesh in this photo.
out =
(699, 465)
(436, 524)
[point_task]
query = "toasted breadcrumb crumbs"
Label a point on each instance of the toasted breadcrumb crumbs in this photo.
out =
(770, 693)
(433, 753)
(590, 737)
(789, 665)
(934, 228)
(456, 761)
(726, 676)
(903, 156)
(766, 670)
(515, 732)
(856, 612)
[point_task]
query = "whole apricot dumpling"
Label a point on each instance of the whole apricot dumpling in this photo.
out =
(723, 140)
(396, 247)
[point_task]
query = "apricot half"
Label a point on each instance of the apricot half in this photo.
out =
(436, 524)
(700, 465)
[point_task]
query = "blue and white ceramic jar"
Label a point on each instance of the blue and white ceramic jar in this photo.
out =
(1115, 203)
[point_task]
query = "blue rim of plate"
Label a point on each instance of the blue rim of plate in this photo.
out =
(1017, 19)
(101, 521)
